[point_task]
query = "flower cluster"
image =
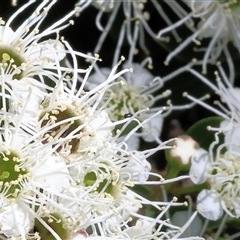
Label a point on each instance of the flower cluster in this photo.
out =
(67, 171)
(102, 141)
(209, 149)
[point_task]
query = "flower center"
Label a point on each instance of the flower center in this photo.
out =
(226, 178)
(101, 180)
(125, 99)
(11, 62)
(61, 130)
(54, 222)
(12, 174)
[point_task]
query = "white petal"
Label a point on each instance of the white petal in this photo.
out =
(209, 205)
(18, 139)
(133, 142)
(6, 33)
(50, 50)
(232, 96)
(53, 174)
(200, 162)
(15, 220)
(142, 227)
(153, 128)
(140, 75)
(97, 78)
(27, 96)
(232, 135)
(141, 171)
(216, 20)
(100, 125)
(133, 206)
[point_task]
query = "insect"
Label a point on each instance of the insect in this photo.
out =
(128, 115)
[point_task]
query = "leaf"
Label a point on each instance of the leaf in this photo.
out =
(127, 130)
(200, 133)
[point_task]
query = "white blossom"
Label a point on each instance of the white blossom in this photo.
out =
(129, 96)
(221, 172)
(23, 53)
(217, 21)
(66, 168)
(227, 107)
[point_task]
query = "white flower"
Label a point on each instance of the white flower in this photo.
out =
(82, 172)
(101, 190)
(75, 128)
(72, 120)
(31, 180)
(21, 98)
(106, 178)
(23, 52)
(222, 173)
(64, 172)
(228, 105)
(219, 167)
(131, 95)
(218, 21)
(145, 227)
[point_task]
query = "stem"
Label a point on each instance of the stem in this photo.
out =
(172, 173)
(178, 190)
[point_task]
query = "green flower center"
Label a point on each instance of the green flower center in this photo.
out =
(125, 99)
(54, 222)
(11, 61)
(91, 178)
(55, 116)
(11, 174)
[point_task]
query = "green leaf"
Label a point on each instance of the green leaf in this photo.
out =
(142, 190)
(127, 130)
(200, 133)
